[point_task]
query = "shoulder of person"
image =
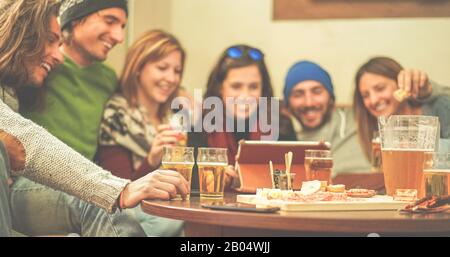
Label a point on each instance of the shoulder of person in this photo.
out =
(108, 71)
(116, 103)
(439, 89)
(344, 118)
(442, 103)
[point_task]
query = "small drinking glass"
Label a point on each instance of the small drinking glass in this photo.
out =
(212, 163)
(180, 159)
(280, 180)
(318, 165)
(376, 152)
(436, 173)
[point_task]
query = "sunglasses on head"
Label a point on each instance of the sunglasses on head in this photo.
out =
(235, 52)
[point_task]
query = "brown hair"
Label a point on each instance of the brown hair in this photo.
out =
(220, 72)
(150, 47)
(226, 63)
(24, 33)
(367, 123)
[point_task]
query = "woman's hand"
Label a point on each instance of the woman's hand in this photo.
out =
(165, 136)
(230, 173)
(159, 184)
(415, 83)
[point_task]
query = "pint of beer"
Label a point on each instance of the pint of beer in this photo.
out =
(212, 163)
(404, 141)
(403, 170)
(376, 154)
(180, 159)
(318, 165)
(436, 173)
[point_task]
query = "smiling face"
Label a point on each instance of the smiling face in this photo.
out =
(40, 69)
(94, 37)
(378, 94)
(244, 84)
(310, 103)
(158, 80)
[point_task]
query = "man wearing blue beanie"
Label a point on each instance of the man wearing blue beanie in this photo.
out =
(310, 88)
(309, 96)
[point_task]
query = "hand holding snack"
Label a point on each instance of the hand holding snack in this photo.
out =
(412, 83)
(165, 136)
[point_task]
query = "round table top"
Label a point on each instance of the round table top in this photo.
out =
(315, 221)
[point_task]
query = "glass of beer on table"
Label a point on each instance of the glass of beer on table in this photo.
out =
(404, 141)
(436, 173)
(180, 159)
(212, 163)
(318, 165)
(376, 152)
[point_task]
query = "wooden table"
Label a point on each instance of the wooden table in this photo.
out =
(204, 222)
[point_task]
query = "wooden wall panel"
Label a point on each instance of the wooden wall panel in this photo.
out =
(340, 9)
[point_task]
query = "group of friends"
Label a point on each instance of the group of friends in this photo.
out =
(81, 148)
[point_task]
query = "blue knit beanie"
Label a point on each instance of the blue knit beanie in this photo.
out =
(306, 70)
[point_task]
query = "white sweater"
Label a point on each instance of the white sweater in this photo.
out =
(52, 163)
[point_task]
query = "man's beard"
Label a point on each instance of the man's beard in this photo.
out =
(325, 118)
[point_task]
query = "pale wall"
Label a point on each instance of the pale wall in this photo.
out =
(207, 27)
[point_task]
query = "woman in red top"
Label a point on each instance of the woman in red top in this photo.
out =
(240, 74)
(135, 126)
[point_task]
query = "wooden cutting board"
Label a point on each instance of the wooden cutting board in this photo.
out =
(378, 202)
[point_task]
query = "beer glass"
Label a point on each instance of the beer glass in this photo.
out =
(280, 180)
(376, 153)
(212, 163)
(318, 165)
(178, 123)
(404, 140)
(181, 160)
(436, 173)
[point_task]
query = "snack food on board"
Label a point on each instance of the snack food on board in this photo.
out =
(400, 95)
(298, 196)
(311, 187)
(359, 192)
(336, 188)
(407, 195)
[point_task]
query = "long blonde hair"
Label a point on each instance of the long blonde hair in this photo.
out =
(24, 32)
(150, 47)
(367, 123)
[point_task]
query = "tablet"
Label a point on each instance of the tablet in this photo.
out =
(253, 157)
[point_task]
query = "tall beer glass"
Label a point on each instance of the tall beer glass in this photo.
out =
(436, 172)
(318, 165)
(404, 140)
(212, 163)
(180, 159)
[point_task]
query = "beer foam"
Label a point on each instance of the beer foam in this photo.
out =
(437, 171)
(212, 163)
(177, 163)
(406, 149)
(320, 158)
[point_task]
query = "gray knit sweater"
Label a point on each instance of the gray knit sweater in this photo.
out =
(52, 163)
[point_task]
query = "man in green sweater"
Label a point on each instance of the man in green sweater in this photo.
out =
(309, 95)
(76, 91)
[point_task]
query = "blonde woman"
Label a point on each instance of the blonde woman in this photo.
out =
(134, 126)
